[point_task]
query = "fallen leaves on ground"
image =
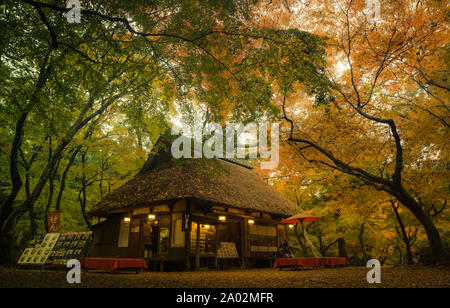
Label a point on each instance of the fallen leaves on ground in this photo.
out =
(415, 276)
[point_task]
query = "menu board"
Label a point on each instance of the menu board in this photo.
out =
(38, 249)
(70, 246)
(227, 250)
(55, 248)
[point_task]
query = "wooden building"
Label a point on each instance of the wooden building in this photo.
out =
(188, 212)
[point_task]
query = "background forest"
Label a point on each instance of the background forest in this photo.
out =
(362, 102)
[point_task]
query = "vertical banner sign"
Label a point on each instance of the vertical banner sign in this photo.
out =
(185, 222)
(53, 222)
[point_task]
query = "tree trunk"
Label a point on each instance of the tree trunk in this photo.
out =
(324, 250)
(342, 248)
(73, 156)
(62, 185)
(400, 254)
(362, 244)
(404, 236)
(432, 233)
(300, 241)
(313, 248)
(321, 246)
(82, 196)
(27, 166)
(83, 202)
(51, 182)
(6, 240)
(7, 206)
(51, 186)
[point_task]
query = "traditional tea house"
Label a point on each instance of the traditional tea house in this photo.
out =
(191, 213)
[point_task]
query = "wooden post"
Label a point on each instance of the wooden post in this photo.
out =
(243, 239)
(197, 252)
(187, 237)
(216, 261)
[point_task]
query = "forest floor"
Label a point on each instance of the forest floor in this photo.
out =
(416, 276)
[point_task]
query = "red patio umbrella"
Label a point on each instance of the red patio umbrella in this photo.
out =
(300, 217)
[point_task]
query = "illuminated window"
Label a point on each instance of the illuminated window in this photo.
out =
(124, 232)
(178, 234)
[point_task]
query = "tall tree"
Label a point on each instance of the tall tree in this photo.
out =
(364, 131)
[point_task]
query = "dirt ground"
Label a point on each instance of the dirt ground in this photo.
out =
(403, 277)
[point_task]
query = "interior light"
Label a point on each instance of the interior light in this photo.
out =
(222, 218)
(127, 219)
(251, 221)
(291, 226)
(151, 216)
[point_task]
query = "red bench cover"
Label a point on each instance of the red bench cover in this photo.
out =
(113, 264)
(310, 262)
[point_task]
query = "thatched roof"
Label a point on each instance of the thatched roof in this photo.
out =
(214, 181)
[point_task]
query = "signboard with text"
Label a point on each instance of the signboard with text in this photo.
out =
(55, 248)
(227, 250)
(53, 222)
